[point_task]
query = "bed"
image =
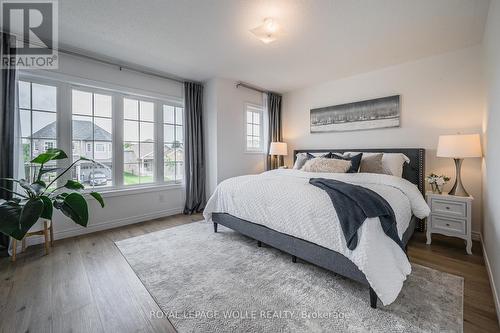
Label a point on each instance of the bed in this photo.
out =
(268, 209)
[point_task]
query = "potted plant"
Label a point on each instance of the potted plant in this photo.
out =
(19, 214)
(437, 182)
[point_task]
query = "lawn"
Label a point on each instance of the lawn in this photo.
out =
(131, 179)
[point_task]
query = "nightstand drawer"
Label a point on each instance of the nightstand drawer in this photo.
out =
(448, 224)
(449, 208)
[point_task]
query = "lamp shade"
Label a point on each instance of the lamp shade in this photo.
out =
(459, 146)
(278, 148)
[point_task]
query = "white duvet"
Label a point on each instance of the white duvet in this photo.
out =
(284, 200)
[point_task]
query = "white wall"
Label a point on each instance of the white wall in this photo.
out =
(491, 226)
(123, 207)
(226, 103)
(439, 95)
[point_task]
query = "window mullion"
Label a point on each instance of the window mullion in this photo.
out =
(117, 121)
(160, 161)
(64, 129)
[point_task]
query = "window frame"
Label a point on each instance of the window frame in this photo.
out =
(156, 117)
(57, 112)
(92, 144)
(255, 108)
(64, 84)
(175, 125)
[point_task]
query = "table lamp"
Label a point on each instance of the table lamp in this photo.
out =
(458, 147)
(278, 149)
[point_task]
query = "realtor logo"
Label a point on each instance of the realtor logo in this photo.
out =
(33, 24)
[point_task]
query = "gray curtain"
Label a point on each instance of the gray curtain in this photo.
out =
(7, 124)
(194, 149)
(274, 134)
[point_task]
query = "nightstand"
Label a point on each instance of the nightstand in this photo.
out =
(450, 216)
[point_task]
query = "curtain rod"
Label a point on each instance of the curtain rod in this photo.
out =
(248, 86)
(111, 63)
(123, 66)
(244, 85)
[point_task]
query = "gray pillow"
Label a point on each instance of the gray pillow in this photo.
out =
(300, 160)
(372, 164)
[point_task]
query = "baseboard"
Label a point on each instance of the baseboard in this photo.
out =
(110, 224)
(492, 281)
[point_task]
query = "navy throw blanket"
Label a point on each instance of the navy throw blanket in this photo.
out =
(354, 204)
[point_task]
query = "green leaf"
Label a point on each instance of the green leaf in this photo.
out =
(10, 211)
(74, 185)
(39, 186)
(27, 187)
(75, 207)
(49, 155)
(17, 219)
(98, 197)
(47, 207)
(30, 213)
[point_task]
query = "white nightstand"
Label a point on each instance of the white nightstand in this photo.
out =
(450, 216)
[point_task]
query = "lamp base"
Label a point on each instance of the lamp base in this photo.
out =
(458, 188)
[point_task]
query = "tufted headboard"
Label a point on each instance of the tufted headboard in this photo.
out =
(413, 171)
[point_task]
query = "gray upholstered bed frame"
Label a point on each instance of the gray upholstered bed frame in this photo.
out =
(316, 254)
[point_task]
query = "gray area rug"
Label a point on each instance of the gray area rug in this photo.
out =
(223, 282)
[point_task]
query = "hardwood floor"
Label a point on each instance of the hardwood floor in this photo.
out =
(85, 284)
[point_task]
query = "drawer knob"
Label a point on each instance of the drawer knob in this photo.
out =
(447, 224)
(447, 207)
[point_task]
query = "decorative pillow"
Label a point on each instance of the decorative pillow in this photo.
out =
(301, 159)
(355, 161)
(392, 162)
(320, 164)
(372, 164)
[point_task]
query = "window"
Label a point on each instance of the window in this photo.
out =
(138, 141)
(99, 147)
(92, 116)
(49, 145)
(173, 143)
(254, 132)
(92, 127)
(38, 117)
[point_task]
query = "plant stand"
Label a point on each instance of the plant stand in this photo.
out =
(47, 232)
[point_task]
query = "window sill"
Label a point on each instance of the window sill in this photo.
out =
(131, 190)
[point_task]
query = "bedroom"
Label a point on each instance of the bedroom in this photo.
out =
(250, 166)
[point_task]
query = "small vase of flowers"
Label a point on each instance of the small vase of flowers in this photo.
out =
(437, 182)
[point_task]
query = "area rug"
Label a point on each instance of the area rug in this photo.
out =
(222, 282)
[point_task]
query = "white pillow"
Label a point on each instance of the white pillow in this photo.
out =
(392, 162)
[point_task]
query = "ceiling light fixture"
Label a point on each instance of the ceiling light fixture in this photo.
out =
(268, 31)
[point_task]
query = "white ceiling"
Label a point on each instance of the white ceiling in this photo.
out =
(324, 40)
